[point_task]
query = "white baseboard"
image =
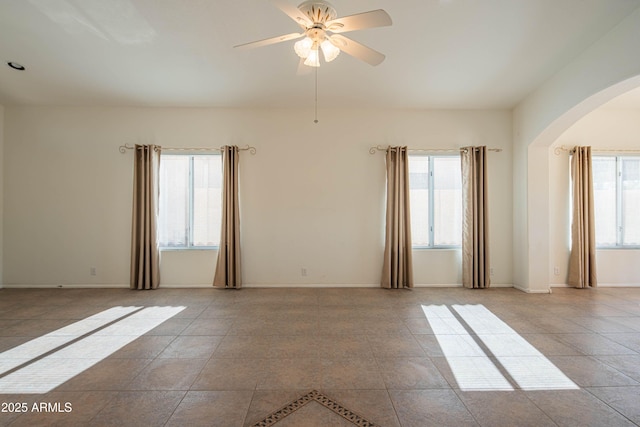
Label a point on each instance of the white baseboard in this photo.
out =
(310, 285)
(533, 291)
(188, 286)
(69, 286)
(298, 285)
(602, 285)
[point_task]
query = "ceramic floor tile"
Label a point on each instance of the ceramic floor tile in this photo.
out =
(265, 402)
(628, 340)
(351, 374)
(243, 347)
(343, 346)
(168, 374)
(314, 414)
(418, 325)
(109, 374)
(230, 374)
(625, 400)
(395, 346)
(252, 326)
(503, 409)
(211, 408)
(594, 344)
(171, 327)
(411, 373)
(208, 327)
(632, 322)
(23, 410)
(628, 365)
(340, 327)
(292, 327)
(550, 345)
(372, 350)
(192, 347)
(293, 346)
(290, 374)
(601, 325)
(577, 408)
(590, 372)
(144, 347)
(419, 408)
(388, 327)
(65, 409)
(139, 408)
(430, 345)
(374, 405)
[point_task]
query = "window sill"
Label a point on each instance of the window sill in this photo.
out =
(197, 248)
(437, 248)
(617, 248)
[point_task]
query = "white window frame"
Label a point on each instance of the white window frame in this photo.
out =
(431, 202)
(190, 220)
(619, 205)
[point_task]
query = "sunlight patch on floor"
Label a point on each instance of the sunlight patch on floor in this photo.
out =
(485, 353)
(47, 373)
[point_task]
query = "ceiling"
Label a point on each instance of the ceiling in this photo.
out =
(440, 53)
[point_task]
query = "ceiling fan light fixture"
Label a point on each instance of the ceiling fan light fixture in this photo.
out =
(329, 50)
(303, 47)
(313, 60)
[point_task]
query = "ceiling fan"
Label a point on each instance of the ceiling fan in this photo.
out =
(322, 31)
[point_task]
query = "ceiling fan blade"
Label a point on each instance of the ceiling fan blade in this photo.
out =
(360, 21)
(272, 40)
(293, 13)
(357, 50)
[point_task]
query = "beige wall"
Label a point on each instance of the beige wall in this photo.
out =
(608, 68)
(312, 197)
(601, 129)
(1, 188)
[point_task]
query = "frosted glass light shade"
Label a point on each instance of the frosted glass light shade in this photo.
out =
(303, 47)
(313, 60)
(329, 51)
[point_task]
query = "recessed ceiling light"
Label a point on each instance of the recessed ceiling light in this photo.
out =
(16, 66)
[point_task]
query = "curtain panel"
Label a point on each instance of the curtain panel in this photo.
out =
(582, 261)
(228, 272)
(475, 218)
(397, 268)
(145, 253)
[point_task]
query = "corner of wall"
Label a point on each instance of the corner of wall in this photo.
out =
(606, 69)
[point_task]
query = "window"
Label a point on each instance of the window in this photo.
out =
(616, 192)
(436, 201)
(190, 201)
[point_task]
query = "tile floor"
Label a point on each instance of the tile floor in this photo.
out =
(230, 358)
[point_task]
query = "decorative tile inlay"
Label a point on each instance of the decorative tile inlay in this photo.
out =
(325, 401)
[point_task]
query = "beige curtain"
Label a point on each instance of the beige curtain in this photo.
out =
(582, 262)
(145, 255)
(228, 268)
(397, 268)
(475, 218)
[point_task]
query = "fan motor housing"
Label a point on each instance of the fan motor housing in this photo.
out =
(318, 11)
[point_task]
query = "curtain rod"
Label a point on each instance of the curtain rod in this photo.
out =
(373, 150)
(562, 148)
(125, 147)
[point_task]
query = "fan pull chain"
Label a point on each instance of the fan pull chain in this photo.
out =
(316, 103)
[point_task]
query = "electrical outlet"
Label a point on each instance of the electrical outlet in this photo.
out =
(556, 270)
(92, 271)
(491, 271)
(303, 271)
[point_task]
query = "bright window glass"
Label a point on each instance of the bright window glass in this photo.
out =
(190, 201)
(616, 183)
(436, 201)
